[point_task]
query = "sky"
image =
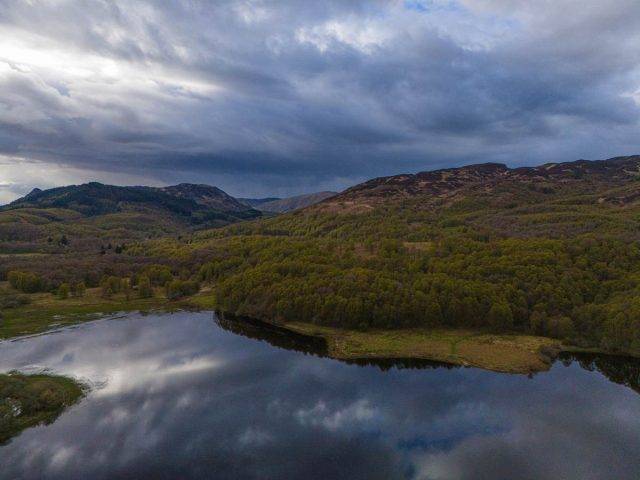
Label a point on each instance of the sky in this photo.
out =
(285, 97)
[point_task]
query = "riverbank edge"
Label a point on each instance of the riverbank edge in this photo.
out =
(504, 353)
(516, 354)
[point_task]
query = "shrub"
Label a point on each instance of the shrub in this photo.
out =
(111, 285)
(158, 274)
(78, 289)
(145, 290)
(181, 288)
(26, 282)
(63, 291)
(12, 300)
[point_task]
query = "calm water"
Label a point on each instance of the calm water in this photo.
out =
(179, 396)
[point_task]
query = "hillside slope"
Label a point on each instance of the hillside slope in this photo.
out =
(290, 204)
(93, 212)
(549, 250)
(92, 199)
(206, 196)
(256, 202)
(441, 187)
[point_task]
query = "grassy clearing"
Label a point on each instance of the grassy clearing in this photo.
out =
(46, 311)
(29, 400)
(500, 353)
(203, 300)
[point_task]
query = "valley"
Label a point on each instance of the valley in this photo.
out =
(545, 252)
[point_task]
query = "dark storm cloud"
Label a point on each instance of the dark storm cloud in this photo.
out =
(264, 97)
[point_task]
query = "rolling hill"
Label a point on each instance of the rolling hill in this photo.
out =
(289, 204)
(298, 202)
(256, 202)
(191, 202)
(94, 212)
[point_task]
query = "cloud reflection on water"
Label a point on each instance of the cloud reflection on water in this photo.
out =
(184, 398)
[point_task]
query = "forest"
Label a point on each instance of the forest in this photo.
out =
(547, 258)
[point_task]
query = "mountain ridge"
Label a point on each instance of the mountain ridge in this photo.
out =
(447, 183)
(93, 213)
(296, 202)
(255, 202)
(192, 202)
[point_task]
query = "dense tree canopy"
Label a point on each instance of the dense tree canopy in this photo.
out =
(549, 256)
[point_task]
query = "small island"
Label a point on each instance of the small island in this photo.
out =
(30, 400)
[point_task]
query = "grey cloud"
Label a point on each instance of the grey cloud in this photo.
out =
(258, 95)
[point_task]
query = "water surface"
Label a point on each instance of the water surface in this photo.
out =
(187, 396)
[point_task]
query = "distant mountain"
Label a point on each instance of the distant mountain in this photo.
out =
(207, 196)
(94, 214)
(256, 202)
(194, 204)
(282, 205)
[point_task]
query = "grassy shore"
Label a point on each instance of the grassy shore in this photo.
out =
(45, 311)
(29, 400)
(500, 353)
(510, 353)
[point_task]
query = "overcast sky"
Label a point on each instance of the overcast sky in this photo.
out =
(285, 97)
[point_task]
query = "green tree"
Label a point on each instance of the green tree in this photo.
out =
(126, 288)
(111, 285)
(433, 312)
(180, 288)
(78, 289)
(500, 317)
(63, 291)
(26, 282)
(159, 275)
(145, 290)
(537, 322)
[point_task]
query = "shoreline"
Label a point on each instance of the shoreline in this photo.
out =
(517, 354)
(50, 393)
(504, 353)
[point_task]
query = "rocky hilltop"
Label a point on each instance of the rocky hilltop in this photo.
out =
(441, 186)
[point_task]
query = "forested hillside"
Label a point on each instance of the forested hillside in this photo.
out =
(551, 250)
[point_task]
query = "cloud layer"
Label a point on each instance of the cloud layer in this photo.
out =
(263, 97)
